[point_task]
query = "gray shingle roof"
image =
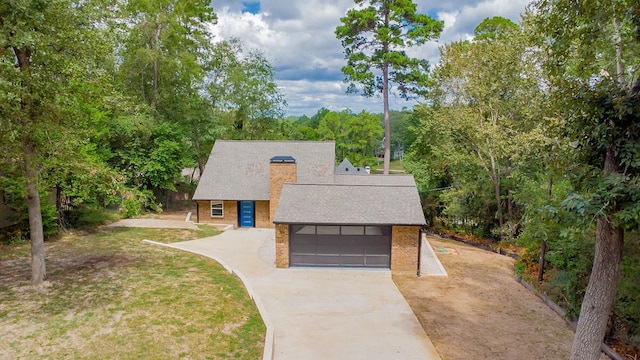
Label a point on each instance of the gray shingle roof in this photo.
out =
(239, 170)
(349, 204)
(390, 180)
(347, 168)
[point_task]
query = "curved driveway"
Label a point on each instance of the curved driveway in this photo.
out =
(320, 313)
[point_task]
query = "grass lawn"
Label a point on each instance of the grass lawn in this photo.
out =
(107, 295)
(395, 167)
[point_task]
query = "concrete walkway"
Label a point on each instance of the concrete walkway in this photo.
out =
(318, 313)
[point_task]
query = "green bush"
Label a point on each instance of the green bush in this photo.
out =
(136, 202)
(85, 217)
(49, 217)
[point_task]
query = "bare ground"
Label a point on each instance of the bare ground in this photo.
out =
(480, 312)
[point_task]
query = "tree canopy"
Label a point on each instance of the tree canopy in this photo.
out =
(375, 36)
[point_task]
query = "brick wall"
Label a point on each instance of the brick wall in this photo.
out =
(230, 212)
(404, 248)
(282, 246)
(279, 173)
(262, 215)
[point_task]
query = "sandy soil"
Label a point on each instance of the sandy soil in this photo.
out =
(480, 312)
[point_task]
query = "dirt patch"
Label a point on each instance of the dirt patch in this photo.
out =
(479, 311)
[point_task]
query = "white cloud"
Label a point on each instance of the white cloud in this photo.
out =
(298, 39)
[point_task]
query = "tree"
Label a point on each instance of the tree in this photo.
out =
(486, 123)
(250, 98)
(374, 37)
(166, 43)
(356, 136)
(50, 54)
(167, 59)
(593, 51)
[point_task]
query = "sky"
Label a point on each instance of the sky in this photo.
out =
(297, 37)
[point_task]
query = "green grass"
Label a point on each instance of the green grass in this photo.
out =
(108, 295)
(395, 167)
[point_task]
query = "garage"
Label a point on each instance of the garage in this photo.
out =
(340, 245)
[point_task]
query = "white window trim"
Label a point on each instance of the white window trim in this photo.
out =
(219, 205)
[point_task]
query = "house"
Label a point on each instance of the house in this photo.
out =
(321, 218)
(347, 168)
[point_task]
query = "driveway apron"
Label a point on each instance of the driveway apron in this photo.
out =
(321, 313)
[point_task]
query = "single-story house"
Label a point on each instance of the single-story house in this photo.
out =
(321, 217)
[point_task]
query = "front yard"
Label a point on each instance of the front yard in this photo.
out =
(108, 295)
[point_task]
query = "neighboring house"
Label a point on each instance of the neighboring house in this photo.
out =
(347, 168)
(321, 218)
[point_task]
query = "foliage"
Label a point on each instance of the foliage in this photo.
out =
(483, 127)
(356, 136)
(591, 52)
(374, 36)
(88, 217)
(627, 310)
(51, 54)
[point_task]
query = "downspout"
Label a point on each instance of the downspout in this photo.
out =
(420, 233)
(197, 212)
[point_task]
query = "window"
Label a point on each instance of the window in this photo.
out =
(328, 230)
(352, 230)
(217, 209)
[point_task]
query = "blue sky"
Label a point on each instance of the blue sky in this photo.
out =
(297, 37)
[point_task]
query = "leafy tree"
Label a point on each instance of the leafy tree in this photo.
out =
(50, 54)
(483, 126)
(167, 57)
(335, 126)
(165, 46)
(374, 36)
(494, 28)
(250, 99)
(356, 136)
(593, 51)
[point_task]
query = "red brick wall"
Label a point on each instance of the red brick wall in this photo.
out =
(282, 246)
(404, 248)
(279, 173)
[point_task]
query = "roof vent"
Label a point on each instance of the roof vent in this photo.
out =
(283, 159)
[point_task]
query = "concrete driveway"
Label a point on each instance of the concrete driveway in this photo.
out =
(320, 313)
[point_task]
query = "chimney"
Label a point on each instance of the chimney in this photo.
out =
(282, 169)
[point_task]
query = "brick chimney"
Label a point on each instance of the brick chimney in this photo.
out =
(282, 169)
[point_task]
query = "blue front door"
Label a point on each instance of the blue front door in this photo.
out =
(247, 213)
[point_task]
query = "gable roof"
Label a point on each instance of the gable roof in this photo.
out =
(239, 170)
(369, 204)
(376, 179)
(346, 167)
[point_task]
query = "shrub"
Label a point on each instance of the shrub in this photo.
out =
(89, 217)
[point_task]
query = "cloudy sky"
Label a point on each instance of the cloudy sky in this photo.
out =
(297, 37)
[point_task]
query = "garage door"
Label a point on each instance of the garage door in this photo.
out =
(342, 246)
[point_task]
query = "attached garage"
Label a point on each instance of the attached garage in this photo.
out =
(340, 245)
(372, 225)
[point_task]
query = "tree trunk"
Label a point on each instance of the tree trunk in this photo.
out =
(495, 177)
(511, 205)
(387, 122)
(201, 160)
(385, 99)
(543, 253)
(601, 291)
(38, 270)
(60, 210)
